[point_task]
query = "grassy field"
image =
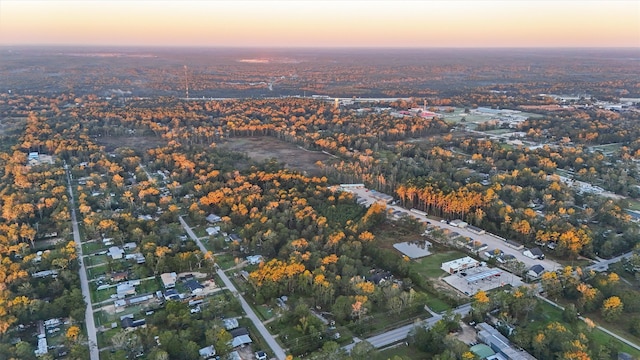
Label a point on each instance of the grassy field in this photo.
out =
(634, 204)
(602, 338)
(264, 311)
(89, 248)
(225, 261)
(548, 313)
(430, 265)
(265, 148)
(437, 305)
(403, 351)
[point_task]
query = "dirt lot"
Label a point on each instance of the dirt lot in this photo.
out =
(111, 143)
(265, 148)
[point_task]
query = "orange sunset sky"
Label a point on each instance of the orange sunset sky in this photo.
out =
(327, 23)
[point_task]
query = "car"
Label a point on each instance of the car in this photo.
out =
(261, 355)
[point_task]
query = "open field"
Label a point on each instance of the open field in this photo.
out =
(548, 312)
(634, 204)
(11, 125)
(430, 266)
(401, 350)
(265, 148)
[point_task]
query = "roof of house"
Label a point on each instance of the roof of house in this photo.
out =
(230, 323)
(482, 351)
(207, 351)
(239, 332)
(193, 285)
(168, 278)
(536, 251)
(241, 340)
(538, 269)
(128, 322)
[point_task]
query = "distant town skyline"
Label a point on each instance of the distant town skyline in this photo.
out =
(419, 24)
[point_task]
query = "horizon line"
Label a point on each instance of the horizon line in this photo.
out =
(305, 47)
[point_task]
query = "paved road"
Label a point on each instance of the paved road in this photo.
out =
(271, 341)
(491, 241)
(603, 265)
(397, 335)
(84, 283)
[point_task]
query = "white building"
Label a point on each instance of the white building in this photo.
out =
(115, 252)
(457, 265)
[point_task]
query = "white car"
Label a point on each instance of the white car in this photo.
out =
(261, 355)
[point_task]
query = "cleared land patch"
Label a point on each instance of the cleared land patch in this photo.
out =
(135, 142)
(265, 148)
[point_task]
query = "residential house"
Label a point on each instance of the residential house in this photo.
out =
(213, 230)
(213, 218)
(534, 253)
(194, 286)
(115, 253)
(169, 280)
(119, 276)
(207, 352)
(230, 324)
(128, 323)
(254, 259)
(535, 271)
(240, 337)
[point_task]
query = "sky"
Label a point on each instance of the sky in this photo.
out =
(324, 23)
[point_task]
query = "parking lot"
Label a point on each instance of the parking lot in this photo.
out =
(368, 197)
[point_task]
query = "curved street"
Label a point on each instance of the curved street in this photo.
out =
(84, 283)
(266, 335)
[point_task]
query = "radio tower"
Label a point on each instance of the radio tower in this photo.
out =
(186, 81)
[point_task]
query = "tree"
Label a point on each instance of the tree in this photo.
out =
(24, 351)
(612, 308)
(363, 351)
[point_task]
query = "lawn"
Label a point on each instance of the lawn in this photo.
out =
(92, 247)
(102, 295)
(226, 261)
(437, 305)
(430, 265)
(634, 204)
(104, 338)
(264, 311)
(602, 338)
(381, 322)
(547, 313)
(403, 351)
(93, 272)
